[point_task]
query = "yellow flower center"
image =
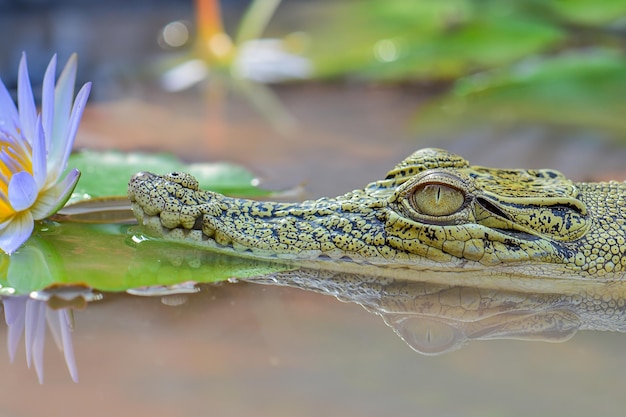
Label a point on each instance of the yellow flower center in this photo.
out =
(15, 156)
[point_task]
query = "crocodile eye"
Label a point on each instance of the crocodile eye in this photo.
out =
(437, 200)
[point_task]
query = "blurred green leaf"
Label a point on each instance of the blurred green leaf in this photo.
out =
(406, 39)
(106, 174)
(589, 12)
(574, 89)
(472, 46)
(558, 62)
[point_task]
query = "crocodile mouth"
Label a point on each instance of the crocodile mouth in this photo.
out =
(518, 234)
(205, 237)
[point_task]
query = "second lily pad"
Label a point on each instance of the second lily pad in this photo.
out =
(106, 174)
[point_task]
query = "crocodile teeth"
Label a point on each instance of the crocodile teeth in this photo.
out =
(208, 231)
(187, 221)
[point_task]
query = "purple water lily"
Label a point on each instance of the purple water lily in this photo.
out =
(34, 149)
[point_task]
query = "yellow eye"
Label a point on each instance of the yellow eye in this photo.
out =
(437, 200)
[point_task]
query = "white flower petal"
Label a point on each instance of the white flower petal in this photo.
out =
(30, 324)
(13, 309)
(22, 191)
(40, 339)
(5, 224)
(47, 99)
(8, 111)
(12, 164)
(39, 156)
(77, 112)
(35, 335)
(68, 347)
(14, 337)
(63, 96)
(16, 232)
(26, 101)
(14, 315)
(52, 199)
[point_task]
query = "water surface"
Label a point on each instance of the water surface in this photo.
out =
(242, 348)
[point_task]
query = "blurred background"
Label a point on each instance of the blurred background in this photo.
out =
(266, 82)
(330, 94)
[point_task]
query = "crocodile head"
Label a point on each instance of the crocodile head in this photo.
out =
(432, 211)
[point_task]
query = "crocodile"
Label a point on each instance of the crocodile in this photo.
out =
(432, 212)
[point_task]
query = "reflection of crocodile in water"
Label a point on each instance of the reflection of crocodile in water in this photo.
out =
(438, 318)
(432, 317)
(432, 212)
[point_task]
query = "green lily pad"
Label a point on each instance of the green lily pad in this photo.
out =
(109, 257)
(105, 256)
(106, 174)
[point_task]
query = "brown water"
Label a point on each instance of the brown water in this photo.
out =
(253, 350)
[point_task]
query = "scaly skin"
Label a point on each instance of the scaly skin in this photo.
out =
(433, 211)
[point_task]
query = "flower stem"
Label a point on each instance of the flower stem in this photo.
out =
(213, 44)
